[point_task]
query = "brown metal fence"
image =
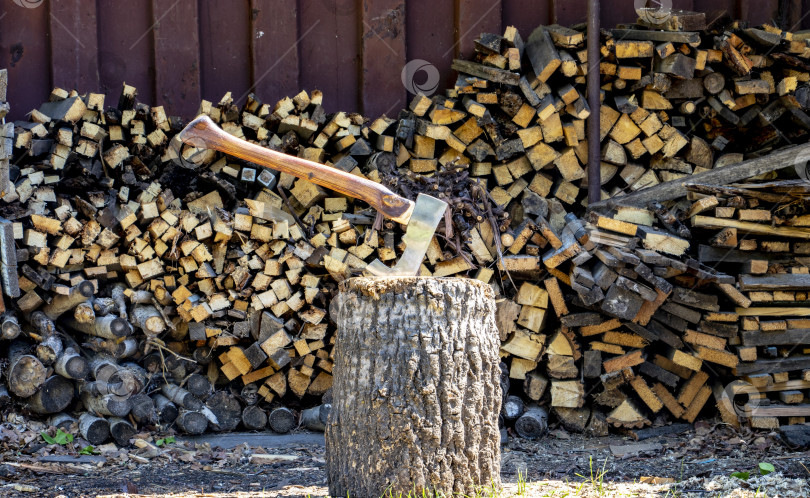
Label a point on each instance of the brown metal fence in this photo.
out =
(179, 51)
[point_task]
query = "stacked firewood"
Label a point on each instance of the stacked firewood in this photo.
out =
(166, 283)
(138, 268)
(620, 338)
(675, 103)
(758, 231)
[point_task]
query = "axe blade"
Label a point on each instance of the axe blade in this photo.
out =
(427, 213)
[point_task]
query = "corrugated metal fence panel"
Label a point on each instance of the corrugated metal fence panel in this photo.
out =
(176, 52)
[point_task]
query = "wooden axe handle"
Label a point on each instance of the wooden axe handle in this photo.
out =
(203, 133)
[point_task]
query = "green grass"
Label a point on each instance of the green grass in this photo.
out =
(596, 477)
(521, 484)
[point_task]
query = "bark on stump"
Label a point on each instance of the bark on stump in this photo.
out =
(416, 392)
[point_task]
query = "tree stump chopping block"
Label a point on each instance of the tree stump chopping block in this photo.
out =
(416, 393)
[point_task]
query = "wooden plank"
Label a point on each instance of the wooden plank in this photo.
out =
(328, 44)
(708, 254)
(751, 227)
(791, 385)
(476, 17)
(383, 35)
(273, 50)
(773, 366)
(782, 281)
(24, 51)
(774, 311)
(789, 337)
(656, 36)
(74, 45)
(127, 53)
(782, 158)
(778, 410)
(177, 57)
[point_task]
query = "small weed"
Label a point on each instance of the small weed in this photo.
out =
(165, 441)
(61, 438)
(88, 450)
(766, 468)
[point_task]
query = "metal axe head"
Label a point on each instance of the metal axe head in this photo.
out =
(427, 213)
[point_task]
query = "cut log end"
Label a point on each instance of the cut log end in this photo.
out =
(94, 429)
(54, 396)
(120, 327)
(191, 422)
(25, 375)
(254, 418)
(167, 411)
(533, 424)
(198, 385)
(281, 420)
(121, 431)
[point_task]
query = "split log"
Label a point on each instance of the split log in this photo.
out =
(251, 307)
(573, 419)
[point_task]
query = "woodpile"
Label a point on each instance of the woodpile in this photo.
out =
(758, 230)
(154, 283)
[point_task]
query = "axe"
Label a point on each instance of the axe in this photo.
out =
(421, 218)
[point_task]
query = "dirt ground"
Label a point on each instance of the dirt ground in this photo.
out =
(695, 463)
